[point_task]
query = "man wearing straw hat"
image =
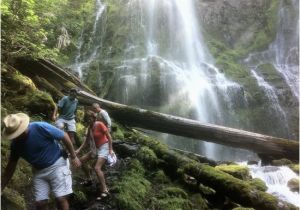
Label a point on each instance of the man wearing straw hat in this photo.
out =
(35, 142)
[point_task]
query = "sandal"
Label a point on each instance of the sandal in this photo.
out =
(104, 194)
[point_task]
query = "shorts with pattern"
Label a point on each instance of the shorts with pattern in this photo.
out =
(56, 177)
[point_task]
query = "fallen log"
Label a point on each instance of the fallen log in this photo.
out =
(267, 147)
(176, 164)
(271, 147)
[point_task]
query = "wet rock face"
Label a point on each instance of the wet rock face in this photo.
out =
(233, 20)
(293, 184)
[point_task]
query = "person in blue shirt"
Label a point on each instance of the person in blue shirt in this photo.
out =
(67, 108)
(36, 143)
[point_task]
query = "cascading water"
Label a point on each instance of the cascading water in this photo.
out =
(277, 70)
(175, 69)
(276, 179)
(276, 108)
(167, 67)
(82, 61)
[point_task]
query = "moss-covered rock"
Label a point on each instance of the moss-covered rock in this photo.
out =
(132, 188)
(238, 171)
(281, 162)
(294, 167)
(258, 184)
(160, 177)
(117, 131)
(147, 157)
(11, 199)
(293, 184)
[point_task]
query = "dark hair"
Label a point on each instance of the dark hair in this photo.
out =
(89, 114)
(73, 90)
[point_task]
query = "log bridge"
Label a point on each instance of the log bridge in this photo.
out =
(267, 147)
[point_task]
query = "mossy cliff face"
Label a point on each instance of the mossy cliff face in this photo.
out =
(231, 29)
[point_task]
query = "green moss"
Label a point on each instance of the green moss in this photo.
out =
(171, 203)
(43, 84)
(281, 162)
(238, 171)
(206, 190)
(173, 192)
(11, 199)
(80, 197)
(132, 188)
(294, 167)
(117, 131)
(199, 202)
(258, 184)
(147, 157)
(160, 177)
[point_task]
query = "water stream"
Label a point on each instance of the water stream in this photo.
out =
(276, 179)
(167, 67)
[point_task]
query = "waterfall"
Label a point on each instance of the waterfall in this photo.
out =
(83, 61)
(279, 64)
(276, 179)
(180, 62)
(167, 64)
(275, 108)
(163, 64)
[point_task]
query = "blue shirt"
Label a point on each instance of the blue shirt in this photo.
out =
(39, 148)
(67, 108)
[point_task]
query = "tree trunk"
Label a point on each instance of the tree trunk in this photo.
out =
(271, 147)
(267, 147)
(175, 165)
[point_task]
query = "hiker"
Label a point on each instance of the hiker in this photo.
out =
(100, 142)
(102, 115)
(67, 108)
(35, 142)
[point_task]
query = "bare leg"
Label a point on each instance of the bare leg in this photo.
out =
(100, 175)
(62, 203)
(42, 205)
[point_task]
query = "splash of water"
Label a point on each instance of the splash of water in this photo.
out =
(276, 179)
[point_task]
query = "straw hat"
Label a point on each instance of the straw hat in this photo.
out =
(15, 125)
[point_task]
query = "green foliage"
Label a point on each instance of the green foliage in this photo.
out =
(31, 27)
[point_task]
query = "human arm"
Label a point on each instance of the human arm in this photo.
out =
(68, 143)
(84, 143)
(8, 173)
(54, 113)
(106, 119)
(109, 142)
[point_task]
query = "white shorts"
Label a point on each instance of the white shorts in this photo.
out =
(103, 151)
(56, 177)
(70, 124)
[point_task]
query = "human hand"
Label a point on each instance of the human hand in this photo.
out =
(76, 162)
(53, 118)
